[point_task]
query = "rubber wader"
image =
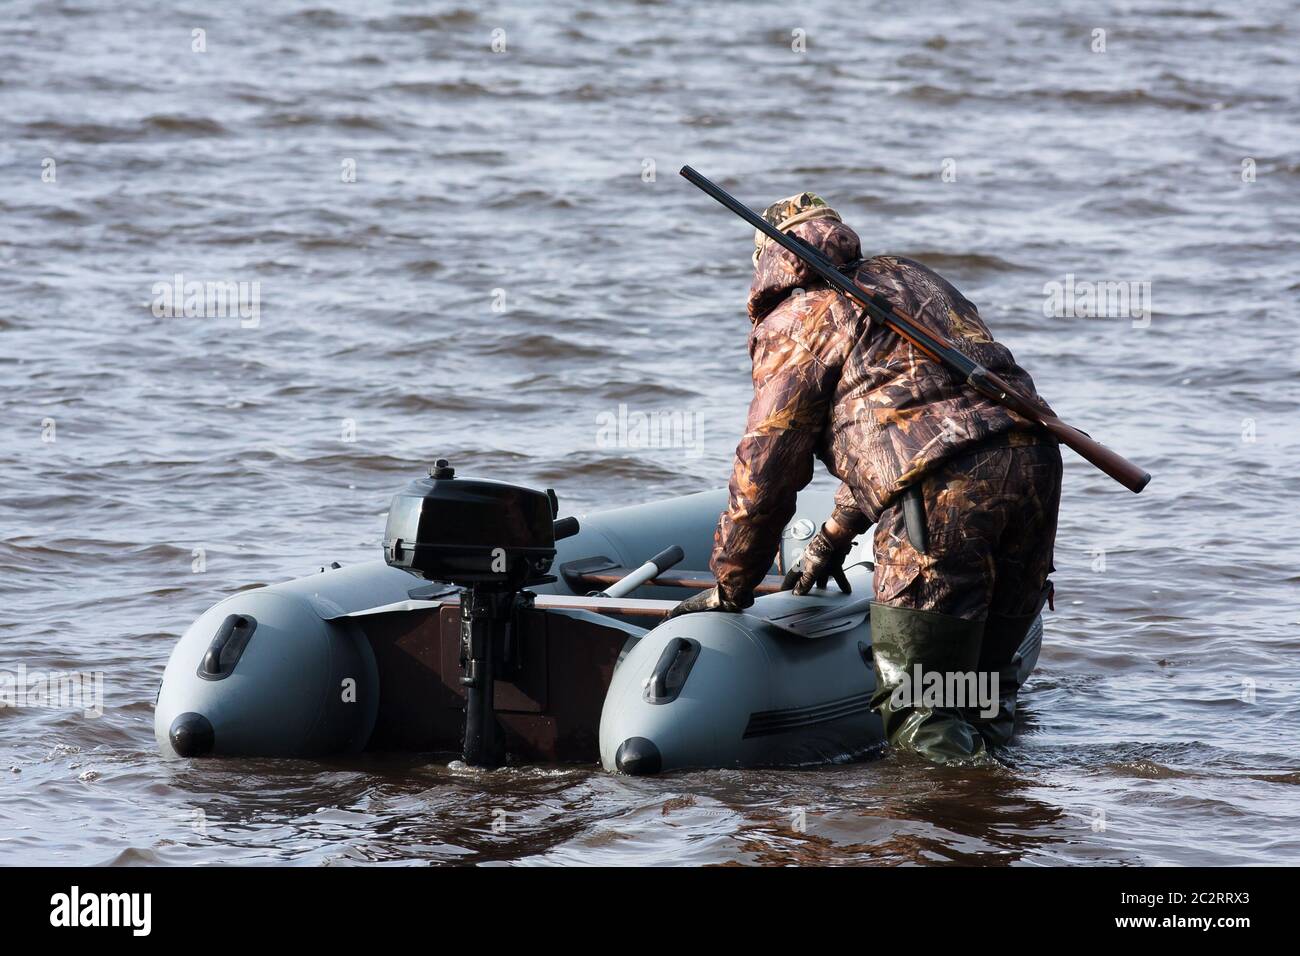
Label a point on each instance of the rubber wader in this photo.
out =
(1003, 636)
(903, 640)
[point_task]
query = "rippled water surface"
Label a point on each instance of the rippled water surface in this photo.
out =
(1163, 720)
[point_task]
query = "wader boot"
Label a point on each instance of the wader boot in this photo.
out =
(903, 640)
(1003, 636)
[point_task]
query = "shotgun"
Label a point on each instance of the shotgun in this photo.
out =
(934, 345)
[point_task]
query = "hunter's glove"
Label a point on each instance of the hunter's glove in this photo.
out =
(710, 600)
(823, 560)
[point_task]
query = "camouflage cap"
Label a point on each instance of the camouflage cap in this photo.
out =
(789, 212)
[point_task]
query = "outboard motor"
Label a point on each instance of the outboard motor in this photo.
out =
(493, 539)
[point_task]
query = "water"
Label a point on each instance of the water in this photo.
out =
(1163, 718)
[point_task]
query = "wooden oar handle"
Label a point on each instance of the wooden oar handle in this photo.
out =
(632, 607)
(683, 579)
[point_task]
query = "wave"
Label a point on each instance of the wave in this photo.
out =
(145, 129)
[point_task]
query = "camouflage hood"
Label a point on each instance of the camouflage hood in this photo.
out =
(778, 271)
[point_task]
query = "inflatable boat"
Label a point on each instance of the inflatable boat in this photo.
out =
(496, 629)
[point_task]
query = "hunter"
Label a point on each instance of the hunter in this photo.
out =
(963, 492)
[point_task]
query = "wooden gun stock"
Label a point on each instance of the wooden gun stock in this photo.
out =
(1117, 466)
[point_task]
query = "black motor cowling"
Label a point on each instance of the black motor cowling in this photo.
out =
(471, 531)
(492, 539)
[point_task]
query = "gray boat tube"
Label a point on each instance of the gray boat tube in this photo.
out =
(741, 690)
(787, 683)
(264, 673)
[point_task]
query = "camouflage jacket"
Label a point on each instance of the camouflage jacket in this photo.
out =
(830, 384)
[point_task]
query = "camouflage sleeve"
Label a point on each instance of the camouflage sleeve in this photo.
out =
(847, 514)
(774, 460)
